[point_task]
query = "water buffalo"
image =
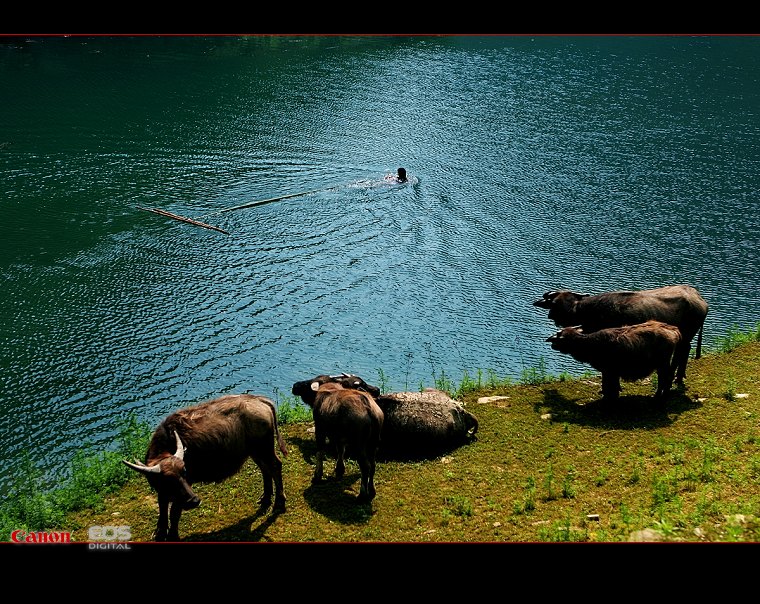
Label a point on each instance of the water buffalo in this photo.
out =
(630, 353)
(417, 424)
(347, 417)
(209, 443)
(424, 424)
(679, 305)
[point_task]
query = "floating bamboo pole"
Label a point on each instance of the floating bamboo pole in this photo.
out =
(184, 219)
(250, 204)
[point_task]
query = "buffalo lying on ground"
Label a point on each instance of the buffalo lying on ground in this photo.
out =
(679, 305)
(347, 418)
(209, 443)
(416, 424)
(629, 353)
(424, 424)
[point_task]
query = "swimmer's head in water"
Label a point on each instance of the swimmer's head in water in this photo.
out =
(401, 174)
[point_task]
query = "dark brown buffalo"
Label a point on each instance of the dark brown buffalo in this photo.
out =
(417, 425)
(629, 353)
(347, 418)
(679, 305)
(209, 443)
(424, 424)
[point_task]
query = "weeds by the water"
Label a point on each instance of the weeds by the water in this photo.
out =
(290, 409)
(33, 506)
(383, 381)
(735, 337)
(535, 375)
(730, 390)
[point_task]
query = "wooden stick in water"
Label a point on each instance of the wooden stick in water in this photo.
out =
(184, 219)
(251, 204)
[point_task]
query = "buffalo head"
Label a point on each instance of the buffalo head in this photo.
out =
(169, 478)
(562, 340)
(561, 305)
(307, 389)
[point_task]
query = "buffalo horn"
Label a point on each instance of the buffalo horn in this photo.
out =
(180, 454)
(141, 467)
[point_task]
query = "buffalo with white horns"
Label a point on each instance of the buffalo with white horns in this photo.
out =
(209, 443)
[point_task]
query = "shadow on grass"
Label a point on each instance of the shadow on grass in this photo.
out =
(246, 529)
(627, 412)
(333, 498)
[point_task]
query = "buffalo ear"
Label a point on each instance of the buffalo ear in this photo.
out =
(314, 386)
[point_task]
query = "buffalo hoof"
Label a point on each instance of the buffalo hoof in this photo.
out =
(363, 497)
(662, 397)
(279, 505)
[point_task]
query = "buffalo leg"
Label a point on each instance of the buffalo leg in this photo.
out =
(279, 490)
(664, 380)
(371, 480)
(340, 465)
(267, 477)
(163, 519)
(364, 465)
(271, 472)
(174, 515)
(320, 458)
(680, 360)
(610, 386)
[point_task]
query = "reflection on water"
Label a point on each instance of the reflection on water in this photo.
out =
(534, 164)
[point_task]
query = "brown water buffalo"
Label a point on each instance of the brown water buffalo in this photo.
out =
(416, 424)
(347, 418)
(629, 353)
(679, 305)
(209, 443)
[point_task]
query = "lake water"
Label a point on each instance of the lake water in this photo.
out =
(536, 163)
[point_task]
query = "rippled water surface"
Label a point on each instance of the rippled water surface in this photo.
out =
(536, 163)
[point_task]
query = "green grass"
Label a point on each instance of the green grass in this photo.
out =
(290, 409)
(736, 337)
(93, 475)
(551, 463)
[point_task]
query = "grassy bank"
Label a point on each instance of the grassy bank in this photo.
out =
(550, 464)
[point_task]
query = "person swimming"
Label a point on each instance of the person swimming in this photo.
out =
(400, 176)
